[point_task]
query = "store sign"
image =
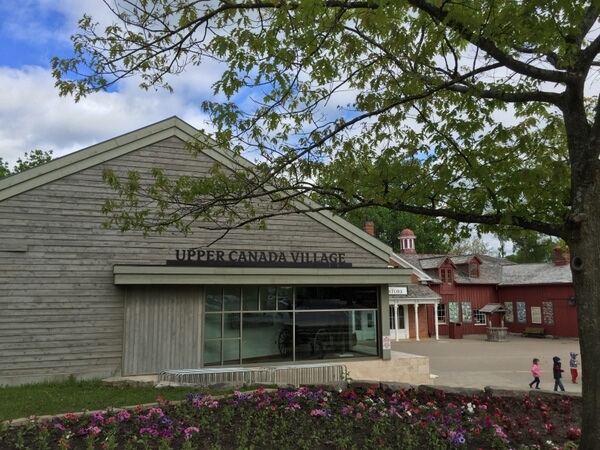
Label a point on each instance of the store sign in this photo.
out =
(402, 290)
(257, 258)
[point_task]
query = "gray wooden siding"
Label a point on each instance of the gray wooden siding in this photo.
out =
(60, 312)
(162, 329)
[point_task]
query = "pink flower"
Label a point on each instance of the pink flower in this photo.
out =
(189, 430)
(499, 431)
(123, 415)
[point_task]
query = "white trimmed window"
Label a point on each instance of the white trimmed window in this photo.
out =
(441, 313)
(479, 317)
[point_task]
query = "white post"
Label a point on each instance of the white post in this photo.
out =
(435, 320)
(417, 321)
(407, 321)
(396, 320)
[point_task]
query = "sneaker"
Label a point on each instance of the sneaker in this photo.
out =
(537, 387)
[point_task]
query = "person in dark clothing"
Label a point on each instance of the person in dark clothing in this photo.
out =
(557, 371)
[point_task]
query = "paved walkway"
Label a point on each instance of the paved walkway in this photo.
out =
(475, 363)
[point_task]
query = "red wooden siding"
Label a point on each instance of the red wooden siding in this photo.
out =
(564, 315)
(560, 321)
(477, 295)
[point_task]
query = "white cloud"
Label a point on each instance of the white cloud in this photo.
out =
(33, 116)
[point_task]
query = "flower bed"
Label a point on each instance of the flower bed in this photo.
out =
(316, 419)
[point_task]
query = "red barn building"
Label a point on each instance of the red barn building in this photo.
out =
(540, 295)
(479, 292)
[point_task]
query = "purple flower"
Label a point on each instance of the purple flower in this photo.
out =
(150, 431)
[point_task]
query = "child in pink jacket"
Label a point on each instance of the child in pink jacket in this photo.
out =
(535, 371)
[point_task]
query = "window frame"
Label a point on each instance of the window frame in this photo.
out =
(473, 269)
(442, 313)
(477, 316)
(446, 275)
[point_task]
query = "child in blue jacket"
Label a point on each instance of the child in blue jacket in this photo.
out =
(573, 367)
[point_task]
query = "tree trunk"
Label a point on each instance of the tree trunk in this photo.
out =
(585, 266)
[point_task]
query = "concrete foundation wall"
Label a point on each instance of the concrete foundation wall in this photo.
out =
(402, 367)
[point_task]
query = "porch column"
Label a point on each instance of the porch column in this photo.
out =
(396, 320)
(417, 321)
(406, 316)
(435, 321)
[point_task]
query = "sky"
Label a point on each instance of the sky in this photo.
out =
(34, 116)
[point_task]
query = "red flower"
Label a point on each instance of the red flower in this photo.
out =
(574, 433)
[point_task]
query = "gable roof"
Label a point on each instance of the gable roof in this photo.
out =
(464, 259)
(151, 134)
(490, 269)
(427, 262)
(542, 273)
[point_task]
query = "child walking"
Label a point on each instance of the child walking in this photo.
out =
(557, 371)
(573, 367)
(535, 371)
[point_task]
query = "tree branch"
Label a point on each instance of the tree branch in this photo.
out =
(490, 48)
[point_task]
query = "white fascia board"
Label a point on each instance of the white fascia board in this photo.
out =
(415, 301)
(161, 275)
(423, 277)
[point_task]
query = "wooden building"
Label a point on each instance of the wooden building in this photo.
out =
(77, 298)
(540, 295)
(531, 295)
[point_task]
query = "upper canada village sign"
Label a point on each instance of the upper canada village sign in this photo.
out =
(257, 258)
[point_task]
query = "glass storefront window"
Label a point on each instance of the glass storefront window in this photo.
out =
(282, 323)
(285, 298)
(231, 351)
(212, 326)
(232, 325)
(250, 298)
(268, 298)
(214, 298)
(232, 299)
(336, 298)
(212, 352)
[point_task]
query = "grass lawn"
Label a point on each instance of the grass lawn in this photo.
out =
(73, 396)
